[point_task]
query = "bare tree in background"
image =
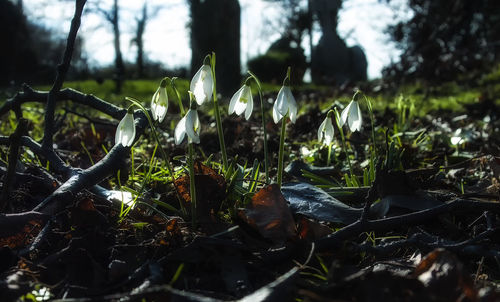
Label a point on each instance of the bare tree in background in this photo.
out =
(215, 27)
(147, 13)
(112, 16)
(138, 40)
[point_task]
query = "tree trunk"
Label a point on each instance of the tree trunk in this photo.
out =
(215, 27)
(119, 66)
(139, 40)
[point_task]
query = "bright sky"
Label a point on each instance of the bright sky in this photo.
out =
(361, 22)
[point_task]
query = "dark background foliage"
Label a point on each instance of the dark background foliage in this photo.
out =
(446, 38)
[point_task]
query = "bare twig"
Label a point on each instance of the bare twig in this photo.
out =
(56, 163)
(30, 95)
(469, 247)
(75, 179)
(15, 143)
(62, 69)
(83, 180)
(360, 226)
(78, 179)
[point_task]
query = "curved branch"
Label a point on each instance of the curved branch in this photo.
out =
(62, 69)
(85, 179)
(55, 162)
(360, 226)
(29, 95)
(469, 247)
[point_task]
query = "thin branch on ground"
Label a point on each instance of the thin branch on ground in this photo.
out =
(426, 242)
(62, 69)
(15, 144)
(460, 205)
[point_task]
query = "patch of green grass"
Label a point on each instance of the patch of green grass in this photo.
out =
(449, 96)
(140, 89)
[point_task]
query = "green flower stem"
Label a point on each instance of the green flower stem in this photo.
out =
(344, 145)
(166, 159)
(192, 188)
(132, 171)
(164, 154)
(179, 99)
(263, 113)
(220, 132)
(328, 159)
(372, 119)
(282, 149)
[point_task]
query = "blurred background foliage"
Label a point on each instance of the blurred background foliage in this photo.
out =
(443, 41)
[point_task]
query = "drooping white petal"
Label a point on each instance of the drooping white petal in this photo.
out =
(242, 101)
(192, 126)
(282, 101)
(285, 103)
(208, 82)
(321, 130)
(240, 107)
(180, 131)
(197, 127)
(125, 132)
(456, 140)
(457, 137)
(292, 106)
(355, 118)
(159, 111)
(249, 109)
(236, 98)
(345, 114)
(326, 131)
(202, 84)
(159, 104)
(329, 131)
(276, 114)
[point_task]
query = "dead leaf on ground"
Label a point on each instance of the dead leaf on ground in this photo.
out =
(210, 190)
(315, 203)
(23, 237)
(269, 214)
(311, 230)
(442, 272)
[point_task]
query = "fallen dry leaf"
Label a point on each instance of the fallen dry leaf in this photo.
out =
(269, 214)
(210, 190)
(23, 237)
(311, 230)
(442, 272)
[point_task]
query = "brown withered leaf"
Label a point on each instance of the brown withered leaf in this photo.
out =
(24, 236)
(442, 272)
(494, 163)
(310, 230)
(269, 214)
(172, 236)
(86, 204)
(173, 226)
(210, 190)
(85, 214)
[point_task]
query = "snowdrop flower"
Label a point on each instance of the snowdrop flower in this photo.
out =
(457, 138)
(285, 103)
(202, 83)
(241, 101)
(159, 102)
(190, 125)
(351, 114)
(125, 133)
(325, 131)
